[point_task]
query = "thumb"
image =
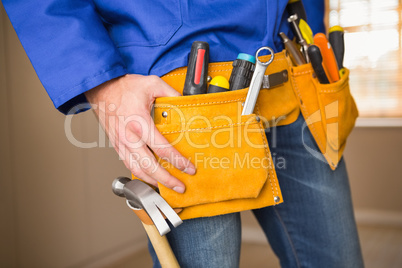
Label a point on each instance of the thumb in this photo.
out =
(162, 89)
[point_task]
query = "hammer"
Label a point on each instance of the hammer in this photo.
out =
(142, 198)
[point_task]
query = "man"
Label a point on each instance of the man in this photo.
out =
(112, 53)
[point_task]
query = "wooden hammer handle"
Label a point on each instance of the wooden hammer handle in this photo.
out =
(162, 248)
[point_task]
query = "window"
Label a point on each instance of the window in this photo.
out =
(373, 52)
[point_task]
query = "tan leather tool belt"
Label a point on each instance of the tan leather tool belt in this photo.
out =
(235, 171)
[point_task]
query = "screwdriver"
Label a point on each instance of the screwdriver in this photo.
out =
(306, 32)
(218, 84)
(243, 69)
(316, 61)
(299, 37)
(338, 45)
(328, 56)
(197, 70)
(296, 7)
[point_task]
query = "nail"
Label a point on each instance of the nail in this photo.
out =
(189, 170)
(178, 189)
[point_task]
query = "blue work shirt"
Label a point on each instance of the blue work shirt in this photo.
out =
(77, 45)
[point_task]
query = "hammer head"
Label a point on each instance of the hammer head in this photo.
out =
(293, 17)
(140, 195)
(118, 186)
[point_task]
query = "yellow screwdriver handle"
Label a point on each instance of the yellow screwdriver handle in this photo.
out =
(306, 32)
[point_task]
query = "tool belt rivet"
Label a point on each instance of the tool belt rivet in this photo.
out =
(164, 114)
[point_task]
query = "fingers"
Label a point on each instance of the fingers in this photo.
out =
(132, 148)
(158, 143)
(166, 151)
(130, 128)
(144, 165)
(157, 171)
(147, 132)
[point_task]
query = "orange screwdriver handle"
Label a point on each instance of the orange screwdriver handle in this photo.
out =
(328, 57)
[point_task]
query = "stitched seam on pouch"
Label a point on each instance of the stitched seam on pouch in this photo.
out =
(302, 73)
(167, 75)
(184, 73)
(332, 90)
(282, 59)
(197, 104)
(328, 91)
(196, 129)
(268, 156)
(308, 115)
(270, 172)
(220, 71)
(222, 65)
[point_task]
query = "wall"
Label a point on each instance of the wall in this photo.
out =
(56, 204)
(7, 207)
(373, 157)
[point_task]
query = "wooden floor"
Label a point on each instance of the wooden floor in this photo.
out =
(381, 246)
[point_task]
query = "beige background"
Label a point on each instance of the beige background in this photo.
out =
(56, 204)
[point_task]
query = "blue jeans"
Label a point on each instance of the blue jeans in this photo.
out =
(314, 227)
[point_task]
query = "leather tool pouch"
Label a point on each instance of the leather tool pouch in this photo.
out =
(235, 170)
(329, 110)
(230, 151)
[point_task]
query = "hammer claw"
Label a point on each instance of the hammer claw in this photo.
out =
(168, 211)
(139, 195)
(156, 217)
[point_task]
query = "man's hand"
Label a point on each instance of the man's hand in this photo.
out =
(123, 107)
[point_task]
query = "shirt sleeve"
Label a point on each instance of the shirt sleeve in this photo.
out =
(68, 45)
